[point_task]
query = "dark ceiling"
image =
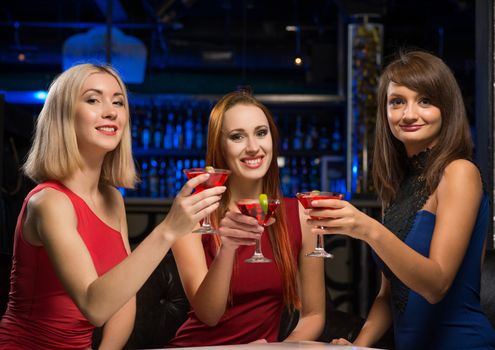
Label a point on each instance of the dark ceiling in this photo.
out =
(246, 39)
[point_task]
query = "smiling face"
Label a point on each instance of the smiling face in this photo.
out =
(247, 142)
(100, 115)
(412, 118)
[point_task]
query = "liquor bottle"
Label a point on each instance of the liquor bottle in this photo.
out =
(159, 130)
(336, 137)
(153, 179)
(314, 174)
(162, 176)
(178, 135)
(198, 132)
(136, 129)
(187, 164)
(308, 139)
(285, 134)
(189, 130)
(168, 139)
(171, 178)
(297, 141)
(324, 139)
(144, 184)
(285, 179)
(294, 178)
(179, 175)
(304, 176)
(313, 132)
(146, 132)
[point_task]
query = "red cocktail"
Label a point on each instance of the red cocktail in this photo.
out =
(255, 209)
(252, 207)
(305, 198)
(217, 178)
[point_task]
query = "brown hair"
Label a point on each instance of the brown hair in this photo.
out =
(54, 154)
(429, 76)
(278, 232)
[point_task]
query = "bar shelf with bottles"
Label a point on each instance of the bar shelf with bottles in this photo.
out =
(169, 135)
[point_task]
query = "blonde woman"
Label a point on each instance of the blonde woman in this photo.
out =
(72, 265)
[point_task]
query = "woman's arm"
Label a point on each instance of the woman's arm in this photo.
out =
(312, 288)
(378, 322)
(379, 318)
(51, 216)
(458, 199)
(118, 328)
(208, 289)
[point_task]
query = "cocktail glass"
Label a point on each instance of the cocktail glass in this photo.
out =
(217, 178)
(252, 207)
(305, 198)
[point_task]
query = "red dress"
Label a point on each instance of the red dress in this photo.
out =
(40, 314)
(256, 293)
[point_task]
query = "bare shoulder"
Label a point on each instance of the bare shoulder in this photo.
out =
(49, 199)
(50, 208)
(462, 170)
(461, 176)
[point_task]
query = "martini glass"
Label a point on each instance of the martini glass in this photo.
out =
(217, 178)
(305, 198)
(252, 207)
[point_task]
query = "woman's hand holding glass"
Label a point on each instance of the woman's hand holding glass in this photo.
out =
(338, 216)
(189, 209)
(307, 199)
(217, 178)
(237, 229)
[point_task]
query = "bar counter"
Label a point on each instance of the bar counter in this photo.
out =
(307, 345)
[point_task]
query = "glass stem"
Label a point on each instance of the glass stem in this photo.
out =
(319, 242)
(258, 247)
(206, 221)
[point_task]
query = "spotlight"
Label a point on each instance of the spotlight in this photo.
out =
(21, 57)
(298, 61)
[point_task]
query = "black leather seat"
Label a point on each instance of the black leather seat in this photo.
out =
(338, 324)
(5, 266)
(488, 286)
(162, 307)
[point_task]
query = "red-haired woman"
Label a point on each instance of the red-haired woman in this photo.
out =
(235, 302)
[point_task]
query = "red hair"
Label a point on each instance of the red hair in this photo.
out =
(280, 241)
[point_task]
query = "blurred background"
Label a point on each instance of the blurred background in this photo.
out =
(315, 63)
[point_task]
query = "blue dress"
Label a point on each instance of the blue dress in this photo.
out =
(457, 321)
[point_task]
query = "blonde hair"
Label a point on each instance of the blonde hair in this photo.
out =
(54, 154)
